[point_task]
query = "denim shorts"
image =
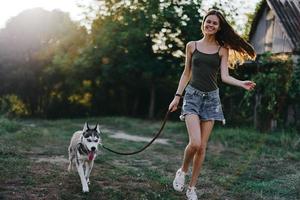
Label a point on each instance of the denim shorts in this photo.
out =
(206, 105)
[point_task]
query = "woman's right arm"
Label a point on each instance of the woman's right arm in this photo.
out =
(185, 77)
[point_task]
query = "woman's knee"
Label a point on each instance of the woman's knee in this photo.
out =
(201, 149)
(195, 146)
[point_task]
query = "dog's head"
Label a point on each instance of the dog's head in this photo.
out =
(91, 137)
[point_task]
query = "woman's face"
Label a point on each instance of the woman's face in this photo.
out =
(211, 25)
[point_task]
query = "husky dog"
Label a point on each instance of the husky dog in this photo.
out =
(82, 151)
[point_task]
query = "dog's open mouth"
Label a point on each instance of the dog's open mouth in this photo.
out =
(91, 155)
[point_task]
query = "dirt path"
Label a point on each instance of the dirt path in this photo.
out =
(123, 135)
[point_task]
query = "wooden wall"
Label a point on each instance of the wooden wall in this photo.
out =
(270, 35)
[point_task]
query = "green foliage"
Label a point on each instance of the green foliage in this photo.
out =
(131, 56)
(250, 19)
(274, 81)
(13, 106)
(128, 64)
(139, 46)
(295, 85)
(8, 125)
(39, 68)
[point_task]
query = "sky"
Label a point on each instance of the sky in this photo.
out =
(12, 8)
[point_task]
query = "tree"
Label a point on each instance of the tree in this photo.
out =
(141, 45)
(29, 43)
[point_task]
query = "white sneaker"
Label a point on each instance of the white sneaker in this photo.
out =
(178, 183)
(191, 193)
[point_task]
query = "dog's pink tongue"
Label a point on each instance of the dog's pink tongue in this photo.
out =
(91, 155)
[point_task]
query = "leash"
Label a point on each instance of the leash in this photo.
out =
(146, 146)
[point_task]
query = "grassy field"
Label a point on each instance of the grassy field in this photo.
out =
(240, 163)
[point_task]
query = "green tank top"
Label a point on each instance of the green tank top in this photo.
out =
(204, 70)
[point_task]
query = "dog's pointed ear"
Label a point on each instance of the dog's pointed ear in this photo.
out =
(97, 128)
(85, 127)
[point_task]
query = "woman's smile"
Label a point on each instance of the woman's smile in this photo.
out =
(209, 28)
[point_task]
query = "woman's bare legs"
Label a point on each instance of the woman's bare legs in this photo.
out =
(199, 132)
(194, 131)
(206, 128)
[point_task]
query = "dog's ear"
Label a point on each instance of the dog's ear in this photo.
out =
(85, 127)
(97, 128)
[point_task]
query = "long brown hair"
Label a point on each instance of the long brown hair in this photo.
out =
(239, 49)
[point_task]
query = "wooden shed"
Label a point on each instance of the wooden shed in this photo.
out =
(276, 28)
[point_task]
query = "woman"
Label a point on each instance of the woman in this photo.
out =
(220, 47)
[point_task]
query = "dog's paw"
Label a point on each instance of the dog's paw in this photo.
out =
(85, 189)
(69, 169)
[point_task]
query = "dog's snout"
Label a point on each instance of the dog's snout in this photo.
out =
(93, 148)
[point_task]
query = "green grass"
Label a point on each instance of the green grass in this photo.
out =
(240, 162)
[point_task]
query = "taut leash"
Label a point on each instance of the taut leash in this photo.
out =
(146, 146)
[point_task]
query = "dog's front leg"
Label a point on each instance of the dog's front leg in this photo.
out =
(88, 169)
(85, 187)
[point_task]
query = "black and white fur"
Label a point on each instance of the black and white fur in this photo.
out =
(82, 152)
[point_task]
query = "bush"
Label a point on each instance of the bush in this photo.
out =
(12, 106)
(273, 90)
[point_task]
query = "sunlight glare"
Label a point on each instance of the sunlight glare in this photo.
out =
(12, 8)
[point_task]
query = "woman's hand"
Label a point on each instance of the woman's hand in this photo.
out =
(174, 104)
(248, 85)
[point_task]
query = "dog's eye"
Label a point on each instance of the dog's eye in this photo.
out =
(96, 140)
(89, 140)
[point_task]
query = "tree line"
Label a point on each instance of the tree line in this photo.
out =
(129, 62)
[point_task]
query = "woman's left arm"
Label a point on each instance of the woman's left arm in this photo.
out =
(226, 78)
